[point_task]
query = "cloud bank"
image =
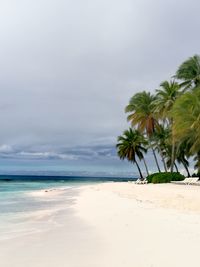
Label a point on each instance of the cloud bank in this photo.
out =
(68, 68)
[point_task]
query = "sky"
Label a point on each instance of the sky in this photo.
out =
(68, 69)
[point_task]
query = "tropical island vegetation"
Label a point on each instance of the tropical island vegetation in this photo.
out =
(166, 122)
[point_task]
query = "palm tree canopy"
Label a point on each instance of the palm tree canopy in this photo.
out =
(162, 137)
(189, 71)
(186, 114)
(166, 96)
(141, 109)
(130, 145)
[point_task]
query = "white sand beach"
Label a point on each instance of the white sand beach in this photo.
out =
(116, 225)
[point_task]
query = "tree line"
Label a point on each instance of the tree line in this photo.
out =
(166, 122)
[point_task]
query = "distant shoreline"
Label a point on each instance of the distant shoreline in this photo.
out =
(64, 178)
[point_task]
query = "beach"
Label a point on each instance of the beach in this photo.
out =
(113, 225)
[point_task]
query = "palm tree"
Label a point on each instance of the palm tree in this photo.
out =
(186, 114)
(168, 156)
(189, 72)
(166, 97)
(141, 109)
(197, 165)
(161, 136)
(130, 146)
(182, 152)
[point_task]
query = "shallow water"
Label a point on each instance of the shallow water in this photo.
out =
(23, 213)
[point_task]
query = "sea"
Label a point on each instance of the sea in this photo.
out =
(23, 212)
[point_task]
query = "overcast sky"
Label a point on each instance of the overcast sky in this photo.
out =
(68, 68)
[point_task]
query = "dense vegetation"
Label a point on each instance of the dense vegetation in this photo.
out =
(164, 177)
(166, 122)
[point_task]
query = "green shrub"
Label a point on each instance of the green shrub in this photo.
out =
(150, 177)
(164, 177)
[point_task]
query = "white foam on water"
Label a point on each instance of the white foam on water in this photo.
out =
(32, 211)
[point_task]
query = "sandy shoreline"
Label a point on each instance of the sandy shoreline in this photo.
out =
(116, 225)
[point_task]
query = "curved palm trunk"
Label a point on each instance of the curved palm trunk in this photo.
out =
(163, 160)
(173, 149)
(154, 154)
(141, 176)
(198, 162)
(176, 167)
(156, 160)
(145, 164)
(187, 170)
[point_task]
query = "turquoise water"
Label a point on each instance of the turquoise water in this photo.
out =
(14, 197)
(22, 213)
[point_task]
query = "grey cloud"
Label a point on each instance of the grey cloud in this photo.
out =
(68, 68)
(62, 153)
(45, 155)
(6, 149)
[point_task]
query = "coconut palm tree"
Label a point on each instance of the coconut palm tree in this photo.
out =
(166, 97)
(130, 146)
(160, 138)
(197, 165)
(168, 157)
(186, 115)
(182, 153)
(142, 115)
(189, 72)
